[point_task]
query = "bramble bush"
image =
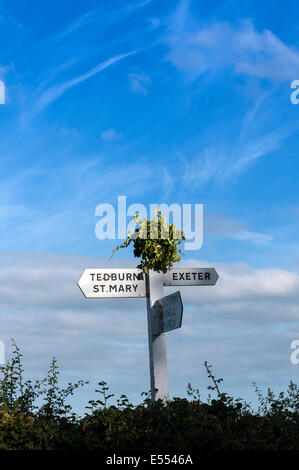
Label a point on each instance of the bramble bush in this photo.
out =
(180, 425)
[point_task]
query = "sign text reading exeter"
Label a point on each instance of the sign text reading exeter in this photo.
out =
(190, 277)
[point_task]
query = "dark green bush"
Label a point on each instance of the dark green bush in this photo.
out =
(181, 425)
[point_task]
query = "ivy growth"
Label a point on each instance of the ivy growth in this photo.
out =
(155, 241)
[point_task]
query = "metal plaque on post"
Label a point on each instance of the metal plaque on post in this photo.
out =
(168, 313)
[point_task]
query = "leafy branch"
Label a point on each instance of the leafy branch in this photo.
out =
(155, 242)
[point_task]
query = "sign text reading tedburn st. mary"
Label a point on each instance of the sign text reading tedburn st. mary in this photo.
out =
(95, 283)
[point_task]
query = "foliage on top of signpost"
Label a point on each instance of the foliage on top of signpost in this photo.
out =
(155, 242)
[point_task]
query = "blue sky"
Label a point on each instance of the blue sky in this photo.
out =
(161, 101)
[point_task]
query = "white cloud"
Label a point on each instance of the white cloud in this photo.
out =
(155, 22)
(51, 94)
(92, 17)
(78, 189)
(225, 164)
(200, 48)
(215, 48)
(11, 212)
(221, 226)
(255, 237)
(110, 134)
(215, 224)
(243, 325)
(139, 83)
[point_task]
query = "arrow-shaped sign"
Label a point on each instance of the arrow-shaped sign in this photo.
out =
(190, 277)
(103, 282)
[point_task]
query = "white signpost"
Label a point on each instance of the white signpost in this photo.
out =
(163, 313)
(156, 340)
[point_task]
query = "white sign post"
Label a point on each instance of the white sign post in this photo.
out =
(156, 340)
(163, 313)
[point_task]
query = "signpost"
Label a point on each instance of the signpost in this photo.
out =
(156, 340)
(163, 313)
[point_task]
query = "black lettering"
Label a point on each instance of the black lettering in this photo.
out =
(129, 276)
(95, 288)
(181, 276)
(175, 276)
(135, 287)
(106, 277)
(92, 276)
(200, 276)
(188, 276)
(207, 276)
(121, 288)
(113, 277)
(113, 288)
(128, 288)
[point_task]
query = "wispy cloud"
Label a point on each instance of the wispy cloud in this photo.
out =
(110, 134)
(254, 237)
(155, 22)
(93, 16)
(74, 188)
(139, 83)
(224, 164)
(51, 94)
(225, 227)
(201, 48)
(214, 48)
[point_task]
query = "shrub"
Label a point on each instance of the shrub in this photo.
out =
(180, 425)
(155, 242)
